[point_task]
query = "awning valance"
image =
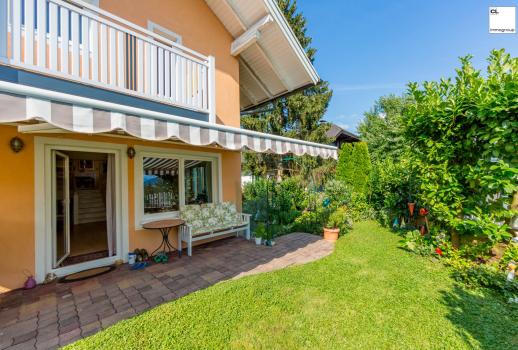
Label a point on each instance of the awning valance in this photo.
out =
(77, 114)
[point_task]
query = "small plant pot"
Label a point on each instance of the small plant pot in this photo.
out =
(331, 234)
(258, 240)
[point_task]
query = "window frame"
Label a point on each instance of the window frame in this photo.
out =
(152, 152)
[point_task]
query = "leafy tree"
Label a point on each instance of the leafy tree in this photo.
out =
(382, 128)
(298, 115)
(354, 166)
(464, 135)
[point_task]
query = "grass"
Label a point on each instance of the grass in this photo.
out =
(368, 294)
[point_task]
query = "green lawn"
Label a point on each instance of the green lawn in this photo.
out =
(369, 294)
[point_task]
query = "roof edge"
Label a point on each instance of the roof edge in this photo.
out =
(278, 16)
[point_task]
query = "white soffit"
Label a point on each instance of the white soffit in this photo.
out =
(272, 62)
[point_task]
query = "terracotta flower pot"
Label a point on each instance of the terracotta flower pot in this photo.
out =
(331, 234)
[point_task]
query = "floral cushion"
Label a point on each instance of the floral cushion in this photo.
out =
(211, 217)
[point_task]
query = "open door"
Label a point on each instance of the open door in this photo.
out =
(60, 208)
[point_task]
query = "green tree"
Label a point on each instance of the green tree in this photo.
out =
(382, 128)
(298, 115)
(354, 166)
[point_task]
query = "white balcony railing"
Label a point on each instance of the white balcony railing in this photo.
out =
(77, 41)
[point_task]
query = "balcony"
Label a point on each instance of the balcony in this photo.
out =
(78, 42)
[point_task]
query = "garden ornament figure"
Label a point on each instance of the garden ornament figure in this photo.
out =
(511, 267)
(29, 283)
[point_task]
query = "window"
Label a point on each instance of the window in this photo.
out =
(164, 182)
(198, 182)
(160, 185)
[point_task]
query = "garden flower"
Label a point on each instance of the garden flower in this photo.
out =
(438, 251)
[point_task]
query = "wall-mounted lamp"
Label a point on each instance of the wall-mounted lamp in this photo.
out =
(131, 152)
(16, 144)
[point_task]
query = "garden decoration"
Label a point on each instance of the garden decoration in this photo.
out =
(30, 282)
(411, 207)
(395, 223)
(422, 221)
(511, 268)
(326, 202)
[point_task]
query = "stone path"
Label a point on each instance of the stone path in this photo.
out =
(53, 315)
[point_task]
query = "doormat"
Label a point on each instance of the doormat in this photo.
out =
(83, 275)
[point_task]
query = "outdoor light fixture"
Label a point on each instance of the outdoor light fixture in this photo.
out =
(16, 144)
(131, 152)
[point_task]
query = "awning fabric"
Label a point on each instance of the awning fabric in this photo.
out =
(82, 118)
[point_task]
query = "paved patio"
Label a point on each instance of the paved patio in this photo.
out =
(53, 315)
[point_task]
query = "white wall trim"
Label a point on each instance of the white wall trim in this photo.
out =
(181, 155)
(43, 235)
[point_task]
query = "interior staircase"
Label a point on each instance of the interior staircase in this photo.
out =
(91, 207)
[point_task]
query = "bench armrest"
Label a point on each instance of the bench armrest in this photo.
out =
(246, 217)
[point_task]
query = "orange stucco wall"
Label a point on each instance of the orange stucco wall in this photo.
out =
(16, 211)
(17, 227)
(201, 31)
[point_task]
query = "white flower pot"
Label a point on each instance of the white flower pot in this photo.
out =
(258, 240)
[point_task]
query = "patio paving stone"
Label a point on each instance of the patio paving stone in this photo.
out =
(57, 314)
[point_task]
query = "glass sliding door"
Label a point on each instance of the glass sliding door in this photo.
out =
(60, 208)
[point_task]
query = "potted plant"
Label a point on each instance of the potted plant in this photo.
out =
(335, 221)
(260, 233)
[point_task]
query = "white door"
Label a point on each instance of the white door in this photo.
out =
(60, 208)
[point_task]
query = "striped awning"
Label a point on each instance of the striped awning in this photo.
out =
(93, 117)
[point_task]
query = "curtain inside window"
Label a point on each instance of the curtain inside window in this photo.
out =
(111, 217)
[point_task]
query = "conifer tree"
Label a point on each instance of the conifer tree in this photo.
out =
(298, 115)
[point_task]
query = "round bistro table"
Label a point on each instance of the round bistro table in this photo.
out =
(164, 226)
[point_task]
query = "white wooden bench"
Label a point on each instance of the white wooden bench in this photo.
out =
(210, 220)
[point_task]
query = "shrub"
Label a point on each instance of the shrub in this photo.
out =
(391, 187)
(354, 166)
(337, 192)
(340, 219)
(463, 135)
(416, 243)
(510, 254)
(311, 221)
(475, 275)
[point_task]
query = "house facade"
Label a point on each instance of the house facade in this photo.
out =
(114, 113)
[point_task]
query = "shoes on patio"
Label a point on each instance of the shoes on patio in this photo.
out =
(161, 258)
(139, 265)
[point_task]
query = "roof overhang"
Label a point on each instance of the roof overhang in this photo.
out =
(272, 62)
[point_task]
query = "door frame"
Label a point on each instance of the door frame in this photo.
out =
(66, 207)
(43, 147)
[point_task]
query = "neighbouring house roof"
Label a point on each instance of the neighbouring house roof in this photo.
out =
(272, 61)
(339, 134)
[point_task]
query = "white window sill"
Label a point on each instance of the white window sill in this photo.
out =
(158, 216)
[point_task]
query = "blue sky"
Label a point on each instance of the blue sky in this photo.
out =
(371, 48)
